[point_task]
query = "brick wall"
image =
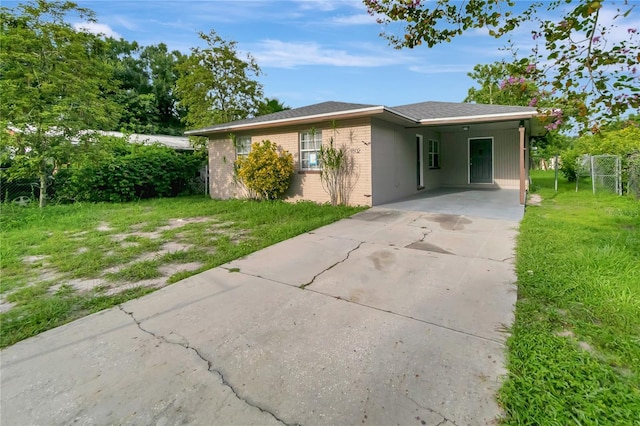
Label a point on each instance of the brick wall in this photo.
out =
(355, 134)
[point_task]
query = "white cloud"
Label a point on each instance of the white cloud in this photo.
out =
(441, 69)
(359, 19)
(281, 54)
(617, 23)
(127, 23)
(96, 28)
(327, 5)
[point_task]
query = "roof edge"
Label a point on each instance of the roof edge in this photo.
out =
(479, 118)
(272, 123)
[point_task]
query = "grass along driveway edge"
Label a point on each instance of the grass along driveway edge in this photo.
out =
(574, 352)
(64, 262)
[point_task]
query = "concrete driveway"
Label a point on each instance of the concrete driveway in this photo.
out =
(388, 317)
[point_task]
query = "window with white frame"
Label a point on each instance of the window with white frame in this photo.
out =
(243, 146)
(434, 154)
(310, 143)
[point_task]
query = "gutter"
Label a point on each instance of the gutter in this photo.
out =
(295, 120)
(478, 118)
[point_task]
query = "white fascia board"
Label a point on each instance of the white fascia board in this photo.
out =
(480, 118)
(271, 123)
(401, 115)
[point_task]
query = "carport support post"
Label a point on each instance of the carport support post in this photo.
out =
(522, 165)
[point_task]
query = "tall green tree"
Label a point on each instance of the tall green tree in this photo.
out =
(503, 84)
(146, 78)
(133, 91)
(52, 82)
(579, 53)
(271, 105)
(162, 68)
(488, 77)
(216, 85)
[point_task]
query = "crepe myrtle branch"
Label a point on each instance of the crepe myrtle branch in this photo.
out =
(579, 55)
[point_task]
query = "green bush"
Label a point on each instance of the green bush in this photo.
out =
(622, 142)
(119, 172)
(266, 170)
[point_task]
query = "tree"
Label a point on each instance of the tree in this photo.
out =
(146, 77)
(52, 80)
(580, 57)
(217, 86)
(162, 67)
(271, 105)
(503, 85)
(133, 91)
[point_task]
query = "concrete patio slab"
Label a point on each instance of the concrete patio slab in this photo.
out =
(387, 330)
(491, 203)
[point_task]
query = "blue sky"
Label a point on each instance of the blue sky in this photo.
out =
(309, 50)
(313, 50)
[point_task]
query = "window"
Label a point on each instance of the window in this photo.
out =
(243, 146)
(434, 154)
(310, 143)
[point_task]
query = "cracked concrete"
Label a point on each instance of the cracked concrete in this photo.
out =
(210, 367)
(380, 334)
(332, 266)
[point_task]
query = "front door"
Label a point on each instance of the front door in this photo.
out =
(481, 160)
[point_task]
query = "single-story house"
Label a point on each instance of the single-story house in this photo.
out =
(396, 152)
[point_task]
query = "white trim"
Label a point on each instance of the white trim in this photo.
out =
(420, 153)
(215, 129)
(315, 136)
(493, 163)
(433, 154)
(479, 118)
(399, 114)
(237, 145)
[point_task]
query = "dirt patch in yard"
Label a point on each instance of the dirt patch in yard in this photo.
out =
(107, 281)
(157, 233)
(166, 270)
(534, 200)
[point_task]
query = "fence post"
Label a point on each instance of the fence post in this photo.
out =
(556, 169)
(593, 177)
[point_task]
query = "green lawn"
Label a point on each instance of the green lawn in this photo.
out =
(574, 355)
(63, 262)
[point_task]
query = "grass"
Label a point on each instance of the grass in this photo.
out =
(43, 251)
(574, 353)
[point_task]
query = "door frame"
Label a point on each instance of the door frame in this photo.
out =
(493, 163)
(420, 161)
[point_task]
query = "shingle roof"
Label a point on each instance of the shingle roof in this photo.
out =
(429, 110)
(310, 110)
(412, 112)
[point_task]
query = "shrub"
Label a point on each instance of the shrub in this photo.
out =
(337, 169)
(266, 170)
(125, 172)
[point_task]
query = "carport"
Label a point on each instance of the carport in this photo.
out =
(490, 203)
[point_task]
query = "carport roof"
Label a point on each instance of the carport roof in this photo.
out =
(437, 110)
(423, 113)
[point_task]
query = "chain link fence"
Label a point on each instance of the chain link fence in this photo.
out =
(609, 173)
(583, 169)
(18, 191)
(606, 174)
(633, 178)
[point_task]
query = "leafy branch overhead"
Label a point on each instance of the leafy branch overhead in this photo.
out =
(586, 53)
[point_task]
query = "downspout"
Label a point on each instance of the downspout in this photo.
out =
(523, 174)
